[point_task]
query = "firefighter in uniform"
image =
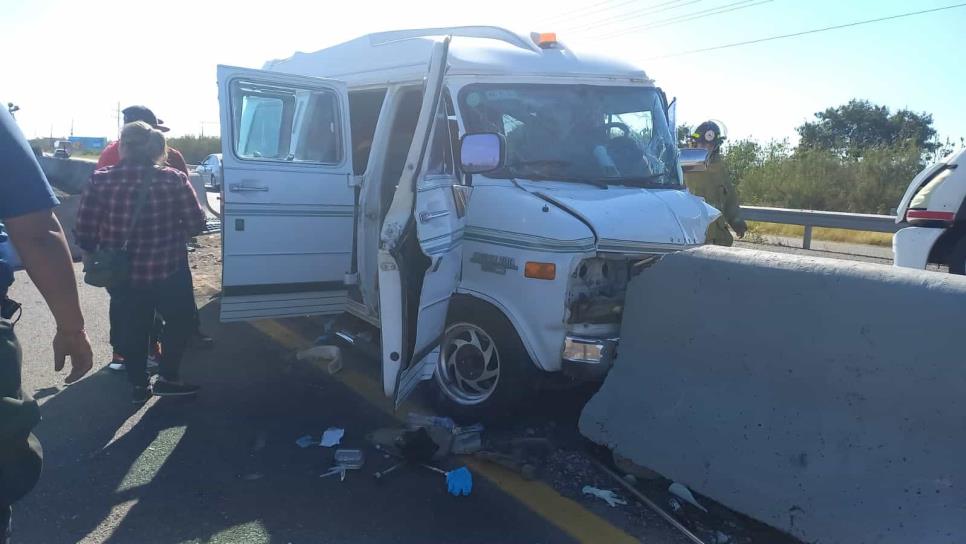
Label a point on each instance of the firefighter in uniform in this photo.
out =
(715, 186)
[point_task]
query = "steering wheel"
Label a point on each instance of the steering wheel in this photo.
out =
(626, 130)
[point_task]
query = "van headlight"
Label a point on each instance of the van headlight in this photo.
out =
(588, 350)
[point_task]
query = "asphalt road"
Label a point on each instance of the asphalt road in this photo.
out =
(225, 468)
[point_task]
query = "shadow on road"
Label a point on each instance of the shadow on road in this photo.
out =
(224, 467)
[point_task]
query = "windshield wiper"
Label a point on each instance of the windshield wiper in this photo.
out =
(540, 162)
(645, 181)
(589, 181)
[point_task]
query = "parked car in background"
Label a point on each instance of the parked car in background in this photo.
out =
(934, 207)
(63, 149)
(210, 171)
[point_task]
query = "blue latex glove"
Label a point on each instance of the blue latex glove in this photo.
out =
(459, 482)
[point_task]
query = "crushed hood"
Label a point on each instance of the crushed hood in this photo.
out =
(632, 219)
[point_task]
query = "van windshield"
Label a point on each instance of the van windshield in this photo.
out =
(576, 132)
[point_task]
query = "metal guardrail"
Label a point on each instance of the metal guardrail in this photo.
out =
(815, 218)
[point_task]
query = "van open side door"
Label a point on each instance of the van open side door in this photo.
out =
(420, 251)
(287, 201)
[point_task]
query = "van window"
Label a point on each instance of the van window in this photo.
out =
(364, 109)
(567, 132)
(400, 139)
(441, 152)
(270, 122)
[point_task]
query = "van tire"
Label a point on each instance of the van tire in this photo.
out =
(517, 373)
(957, 257)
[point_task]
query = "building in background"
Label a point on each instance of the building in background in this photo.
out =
(88, 143)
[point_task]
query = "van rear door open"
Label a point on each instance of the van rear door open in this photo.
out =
(287, 202)
(420, 250)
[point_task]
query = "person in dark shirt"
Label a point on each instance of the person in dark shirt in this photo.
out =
(159, 281)
(26, 211)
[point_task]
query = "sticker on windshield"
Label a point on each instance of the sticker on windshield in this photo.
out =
(473, 100)
(501, 94)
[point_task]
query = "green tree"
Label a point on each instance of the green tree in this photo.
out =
(741, 156)
(684, 135)
(852, 129)
(196, 148)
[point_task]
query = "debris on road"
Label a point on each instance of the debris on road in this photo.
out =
(331, 437)
(467, 440)
(511, 462)
(328, 356)
(306, 441)
(383, 473)
(415, 421)
(352, 459)
(606, 495)
(346, 460)
(459, 482)
(682, 492)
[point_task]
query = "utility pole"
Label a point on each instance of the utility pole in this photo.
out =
(71, 126)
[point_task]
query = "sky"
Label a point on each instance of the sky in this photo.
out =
(71, 63)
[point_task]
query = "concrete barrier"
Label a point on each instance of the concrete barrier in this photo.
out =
(825, 398)
(66, 213)
(68, 175)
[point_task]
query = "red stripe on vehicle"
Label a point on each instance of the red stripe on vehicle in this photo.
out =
(934, 216)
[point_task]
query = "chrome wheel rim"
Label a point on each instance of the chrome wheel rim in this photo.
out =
(468, 370)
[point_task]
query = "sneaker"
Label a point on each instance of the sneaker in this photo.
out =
(154, 359)
(117, 363)
(165, 388)
(140, 395)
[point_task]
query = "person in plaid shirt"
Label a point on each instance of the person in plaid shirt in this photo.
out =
(110, 157)
(159, 278)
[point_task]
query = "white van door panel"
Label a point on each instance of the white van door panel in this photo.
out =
(425, 204)
(288, 205)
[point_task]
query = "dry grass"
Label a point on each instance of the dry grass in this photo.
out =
(758, 230)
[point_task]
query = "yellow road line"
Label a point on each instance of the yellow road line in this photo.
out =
(568, 515)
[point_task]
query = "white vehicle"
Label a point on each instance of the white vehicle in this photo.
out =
(483, 201)
(210, 172)
(935, 208)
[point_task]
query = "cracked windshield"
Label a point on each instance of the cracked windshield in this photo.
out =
(576, 132)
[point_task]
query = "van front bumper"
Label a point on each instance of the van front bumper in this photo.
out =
(588, 358)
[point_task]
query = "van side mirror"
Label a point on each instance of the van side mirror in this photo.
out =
(694, 159)
(482, 152)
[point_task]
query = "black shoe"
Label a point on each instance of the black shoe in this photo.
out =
(140, 395)
(202, 340)
(164, 388)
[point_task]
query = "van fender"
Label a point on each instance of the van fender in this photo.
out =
(912, 246)
(517, 325)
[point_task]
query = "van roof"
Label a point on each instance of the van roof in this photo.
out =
(403, 55)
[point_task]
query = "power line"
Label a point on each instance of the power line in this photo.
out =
(742, 4)
(806, 32)
(588, 11)
(630, 16)
(577, 11)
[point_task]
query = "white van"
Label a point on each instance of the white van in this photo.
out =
(480, 196)
(934, 208)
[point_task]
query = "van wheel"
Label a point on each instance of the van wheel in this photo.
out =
(483, 370)
(957, 258)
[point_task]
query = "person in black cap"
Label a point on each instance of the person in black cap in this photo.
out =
(111, 156)
(26, 210)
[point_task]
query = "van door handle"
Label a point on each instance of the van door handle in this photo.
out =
(239, 188)
(429, 216)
